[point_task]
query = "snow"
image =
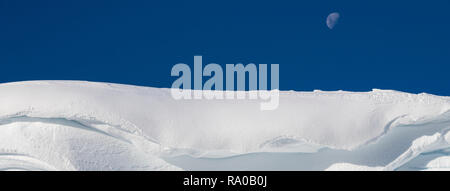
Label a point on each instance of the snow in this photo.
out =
(77, 125)
(352, 167)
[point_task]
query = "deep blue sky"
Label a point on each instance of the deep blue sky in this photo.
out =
(402, 45)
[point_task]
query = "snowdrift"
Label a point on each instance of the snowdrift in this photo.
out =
(75, 125)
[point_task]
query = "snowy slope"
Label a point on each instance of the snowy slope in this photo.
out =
(74, 125)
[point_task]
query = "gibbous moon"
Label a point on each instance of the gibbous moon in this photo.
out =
(332, 19)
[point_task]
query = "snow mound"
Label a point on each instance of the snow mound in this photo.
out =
(75, 125)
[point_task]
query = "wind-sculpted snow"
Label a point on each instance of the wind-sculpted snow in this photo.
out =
(73, 125)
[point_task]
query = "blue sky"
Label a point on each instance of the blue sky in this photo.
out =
(402, 45)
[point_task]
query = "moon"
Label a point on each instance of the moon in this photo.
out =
(332, 19)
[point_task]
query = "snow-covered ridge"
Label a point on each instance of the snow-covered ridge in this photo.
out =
(75, 125)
